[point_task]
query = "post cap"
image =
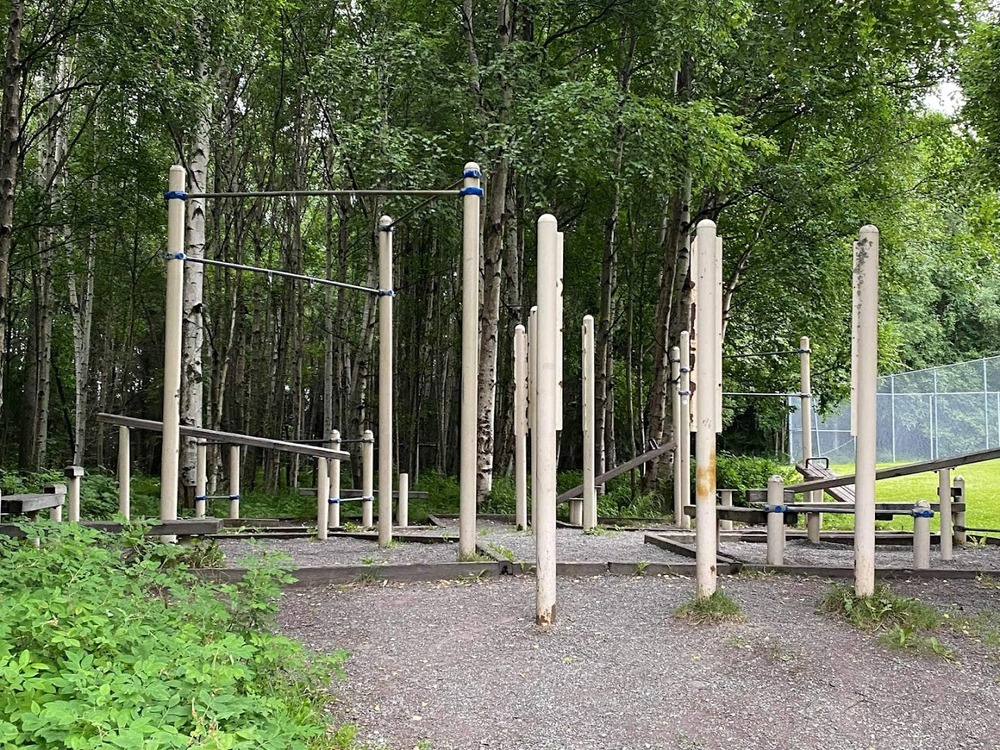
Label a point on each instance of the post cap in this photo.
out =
(73, 471)
(385, 221)
(547, 219)
(54, 489)
(706, 223)
(471, 165)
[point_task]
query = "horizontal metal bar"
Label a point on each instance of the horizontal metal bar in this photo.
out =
(762, 393)
(283, 274)
(761, 354)
(317, 193)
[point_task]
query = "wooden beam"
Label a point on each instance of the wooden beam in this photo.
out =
(919, 467)
(18, 505)
(229, 438)
(618, 470)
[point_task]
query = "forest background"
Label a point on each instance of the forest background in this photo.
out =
(790, 124)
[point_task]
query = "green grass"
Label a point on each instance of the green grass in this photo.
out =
(982, 491)
(712, 609)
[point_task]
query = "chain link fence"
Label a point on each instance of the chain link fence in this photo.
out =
(922, 415)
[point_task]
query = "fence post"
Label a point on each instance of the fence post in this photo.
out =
(775, 520)
(532, 403)
(944, 513)
(959, 495)
(589, 488)
(234, 481)
(520, 428)
(367, 478)
(727, 502)
(124, 475)
(74, 474)
(469, 427)
(322, 499)
(333, 515)
(403, 503)
(385, 383)
(922, 514)
(201, 479)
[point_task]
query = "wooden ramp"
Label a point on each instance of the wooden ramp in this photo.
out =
(820, 469)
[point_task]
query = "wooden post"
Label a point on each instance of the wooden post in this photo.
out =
(173, 317)
(124, 474)
(520, 428)
(589, 488)
(814, 521)
(234, 481)
(333, 515)
(959, 495)
(385, 384)
(684, 436)
(403, 504)
(922, 515)
(944, 498)
(706, 541)
(367, 480)
(201, 479)
(74, 474)
(560, 241)
(675, 410)
(471, 194)
(727, 502)
(532, 402)
(866, 385)
(775, 520)
(545, 422)
(322, 498)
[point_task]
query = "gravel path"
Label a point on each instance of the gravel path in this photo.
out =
(312, 553)
(802, 552)
(463, 666)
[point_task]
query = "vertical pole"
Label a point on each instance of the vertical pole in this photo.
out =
(814, 521)
(124, 473)
(532, 402)
(56, 513)
(322, 498)
(385, 383)
(471, 194)
(959, 495)
(684, 436)
(727, 502)
(545, 421)
(333, 515)
(675, 410)
(520, 428)
(234, 481)
(403, 504)
(944, 513)
(589, 488)
(706, 541)
(367, 478)
(200, 479)
(173, 316)
(775, 520)
(866, 383)
(922, 514)
(559, 349)
(74, 474)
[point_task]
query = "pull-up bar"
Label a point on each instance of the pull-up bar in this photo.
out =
(311, 193)
(738, 355)
(285, 274)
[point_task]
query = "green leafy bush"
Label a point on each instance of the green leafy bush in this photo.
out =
(749, 472)
(105, 642)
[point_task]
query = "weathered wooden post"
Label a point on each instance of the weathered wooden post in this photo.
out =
(545, 422)
(532, 403)
(471, 194)
(706, 539)
(322, 498)
(775, 520)
(684, 436)
(74, 474)
(124, 474)
(944, 498)
(200, 479)
(333, 516)
(234, 481)
(922, 515)
(403, 503)
(866, 384)
(385, 383)
(173, 321)
(520, 428)
(367, 478)
(959, 526)
(726, 498)
(814, 521)
(589, 488)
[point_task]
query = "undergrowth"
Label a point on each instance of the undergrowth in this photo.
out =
(109, 641)
(718, 607)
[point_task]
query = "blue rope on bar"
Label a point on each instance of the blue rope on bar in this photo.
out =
(178, 195)
(471, 191)
(472, 173)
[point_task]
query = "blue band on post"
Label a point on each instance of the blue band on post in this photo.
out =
(685, 369)
(683, 393)
(775, 508)
(368, 499)
(175, 195)
(202, 498)
(386, 229)
(472, 173)
(334, 501)
(234, 497)
(471, 191)
(174, 256)
(917, 513)
(386, 293)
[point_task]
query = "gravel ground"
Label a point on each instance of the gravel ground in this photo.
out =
(312, 553)
(463, 666)
(802, 552)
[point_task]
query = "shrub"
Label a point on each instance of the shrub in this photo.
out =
(749, 472)
(106, 642)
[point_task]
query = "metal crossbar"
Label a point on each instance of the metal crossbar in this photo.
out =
(284, 274)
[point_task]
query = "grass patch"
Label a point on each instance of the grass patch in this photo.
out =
(718, 607)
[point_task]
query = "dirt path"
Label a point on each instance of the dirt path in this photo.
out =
(463, 666)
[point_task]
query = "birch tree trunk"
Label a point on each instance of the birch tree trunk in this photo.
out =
(81, 303)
